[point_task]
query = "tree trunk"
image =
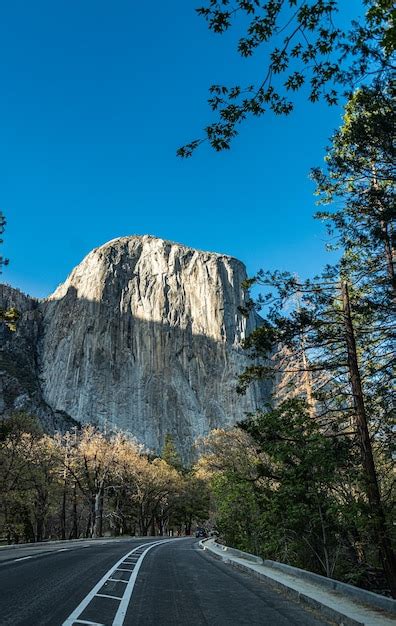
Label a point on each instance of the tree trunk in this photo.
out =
(326, 555)
(40, 528)
(307, 375)
(88, 528)
(372, 488)
(63, 515)
(98, 512)
(92, 516)
(390, 257)
(74, 531)
(308, 380)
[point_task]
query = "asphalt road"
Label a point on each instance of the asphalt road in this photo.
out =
(174, 584)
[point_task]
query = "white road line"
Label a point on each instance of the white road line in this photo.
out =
(104, 595)
(63, 550)
(23, 558)
(81, 621)
(73, 617)
(118, 580)
(122, 609)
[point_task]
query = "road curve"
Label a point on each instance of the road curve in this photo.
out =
(173, 584)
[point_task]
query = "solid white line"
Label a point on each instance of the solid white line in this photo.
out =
(63, 550)
(84, 603)
(122, 609)
(104, 595)
(23, 558)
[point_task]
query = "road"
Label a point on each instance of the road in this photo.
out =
(137, 582)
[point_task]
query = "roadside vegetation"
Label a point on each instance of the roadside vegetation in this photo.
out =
(88, 484)
(309, 480)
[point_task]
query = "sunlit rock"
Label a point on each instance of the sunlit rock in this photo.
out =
(145, 336)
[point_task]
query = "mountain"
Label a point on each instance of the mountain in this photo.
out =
(144, 336)
(20, 385)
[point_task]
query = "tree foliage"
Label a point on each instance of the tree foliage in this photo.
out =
(3, 261)
(358, 180)
(285, 489)
(303, 48)
(8, 317)
(85, 483)
(328, 438)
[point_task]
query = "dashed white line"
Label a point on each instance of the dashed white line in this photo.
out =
(124, 601)
(63, 550)
(122, 609)
(23, 558)
(88, 598)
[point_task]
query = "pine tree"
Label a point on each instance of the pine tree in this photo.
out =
(339, 333)
(170, 453)
(8, 317)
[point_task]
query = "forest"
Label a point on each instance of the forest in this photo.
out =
(87, 483)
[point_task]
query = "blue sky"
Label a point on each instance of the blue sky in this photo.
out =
(97, 97)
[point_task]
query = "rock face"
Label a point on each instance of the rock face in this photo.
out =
(20, 389)
(145, 335)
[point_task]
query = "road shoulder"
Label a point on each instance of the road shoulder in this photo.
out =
(332, 605)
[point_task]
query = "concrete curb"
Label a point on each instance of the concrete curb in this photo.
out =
(262, 570)
(241, 555)
(362, 595)
(327, 612)
(40, 548)
(52, 542)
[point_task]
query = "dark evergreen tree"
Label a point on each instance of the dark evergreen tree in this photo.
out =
(359, 180)
(7, 316)
(170, 453)
(339, 335)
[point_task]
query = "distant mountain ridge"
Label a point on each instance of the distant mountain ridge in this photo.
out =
(144, 335)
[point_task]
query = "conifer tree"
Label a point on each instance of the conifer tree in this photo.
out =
(8, 317)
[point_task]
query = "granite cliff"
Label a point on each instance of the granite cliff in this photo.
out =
(145, 336)
(20, 384)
